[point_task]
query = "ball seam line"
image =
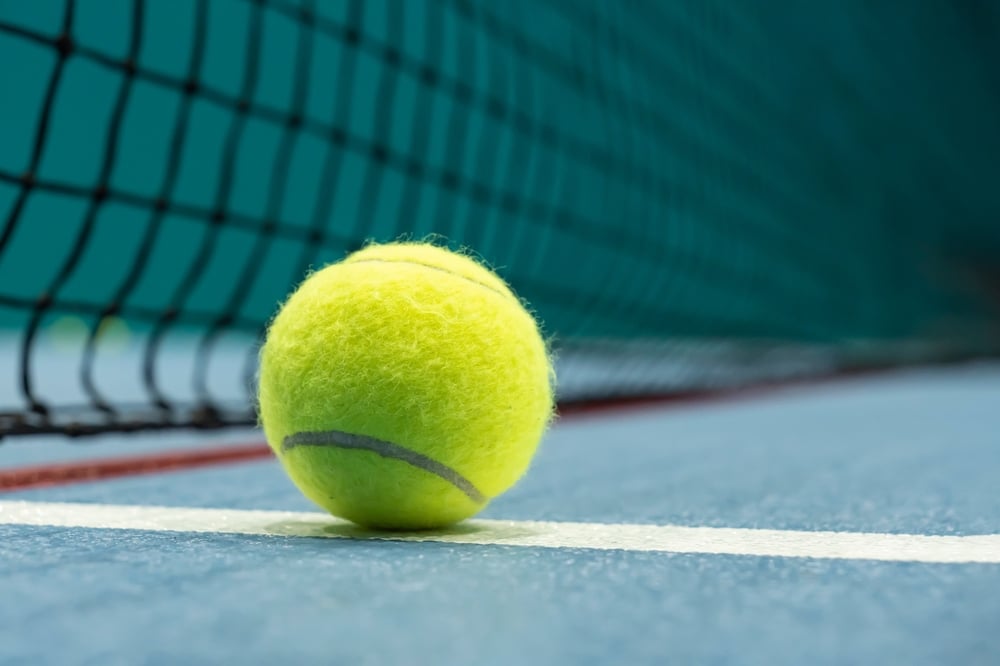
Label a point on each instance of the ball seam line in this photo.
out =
(345, 440)
(432, 267)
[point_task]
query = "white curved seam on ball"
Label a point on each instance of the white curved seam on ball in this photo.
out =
(345, 440)
(434, 268)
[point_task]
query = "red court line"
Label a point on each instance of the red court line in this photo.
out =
(100, 469)
(109, 468)
(693, 397)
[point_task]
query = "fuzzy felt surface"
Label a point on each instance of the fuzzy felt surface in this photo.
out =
(413, 345)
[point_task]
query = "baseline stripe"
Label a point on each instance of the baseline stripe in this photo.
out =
(595, 536)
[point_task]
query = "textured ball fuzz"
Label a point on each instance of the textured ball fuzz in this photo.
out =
(404, 387)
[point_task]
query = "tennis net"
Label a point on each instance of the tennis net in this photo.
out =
(690, 195)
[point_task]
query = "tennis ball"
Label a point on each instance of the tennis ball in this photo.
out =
(404, 387)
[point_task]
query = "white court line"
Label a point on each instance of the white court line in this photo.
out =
(596, 536)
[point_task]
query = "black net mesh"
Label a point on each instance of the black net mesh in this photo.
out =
(690, 195)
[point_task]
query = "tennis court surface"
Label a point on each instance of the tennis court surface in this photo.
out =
(813, 478)
(762, 243)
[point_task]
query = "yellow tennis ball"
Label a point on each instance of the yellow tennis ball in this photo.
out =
(404, 387)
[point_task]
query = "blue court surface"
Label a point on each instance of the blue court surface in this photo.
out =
(850, 522)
